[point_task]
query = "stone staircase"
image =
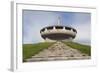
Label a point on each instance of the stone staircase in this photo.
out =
(58, 51)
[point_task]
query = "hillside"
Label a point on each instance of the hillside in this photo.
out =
(32, 49)
(83, 48)
(43, 49)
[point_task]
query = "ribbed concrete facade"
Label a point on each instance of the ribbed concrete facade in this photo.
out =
(58, 33)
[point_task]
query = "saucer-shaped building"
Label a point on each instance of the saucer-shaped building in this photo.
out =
(58, 33)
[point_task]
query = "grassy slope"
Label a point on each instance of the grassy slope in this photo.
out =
(82, 48)
(32, 49)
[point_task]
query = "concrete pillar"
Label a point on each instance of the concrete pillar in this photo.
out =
(71, 29)
(53, 28)
(45, 29)
(63, 28)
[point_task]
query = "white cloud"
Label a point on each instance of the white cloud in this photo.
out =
(33, 21)
(83, 33)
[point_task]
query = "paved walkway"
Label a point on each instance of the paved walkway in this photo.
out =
(58, 51)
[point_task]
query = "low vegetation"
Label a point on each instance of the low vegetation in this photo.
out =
(82, 48)
(32, 49)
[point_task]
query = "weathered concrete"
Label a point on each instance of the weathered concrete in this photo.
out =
(58, 51)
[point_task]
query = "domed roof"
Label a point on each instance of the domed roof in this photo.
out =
(59, 27)
(58, 32)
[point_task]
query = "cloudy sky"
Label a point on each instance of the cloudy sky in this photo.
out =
(34, 20)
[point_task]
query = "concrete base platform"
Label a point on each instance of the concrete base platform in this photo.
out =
(35, 59)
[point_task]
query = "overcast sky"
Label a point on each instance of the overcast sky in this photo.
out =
(33, 21)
